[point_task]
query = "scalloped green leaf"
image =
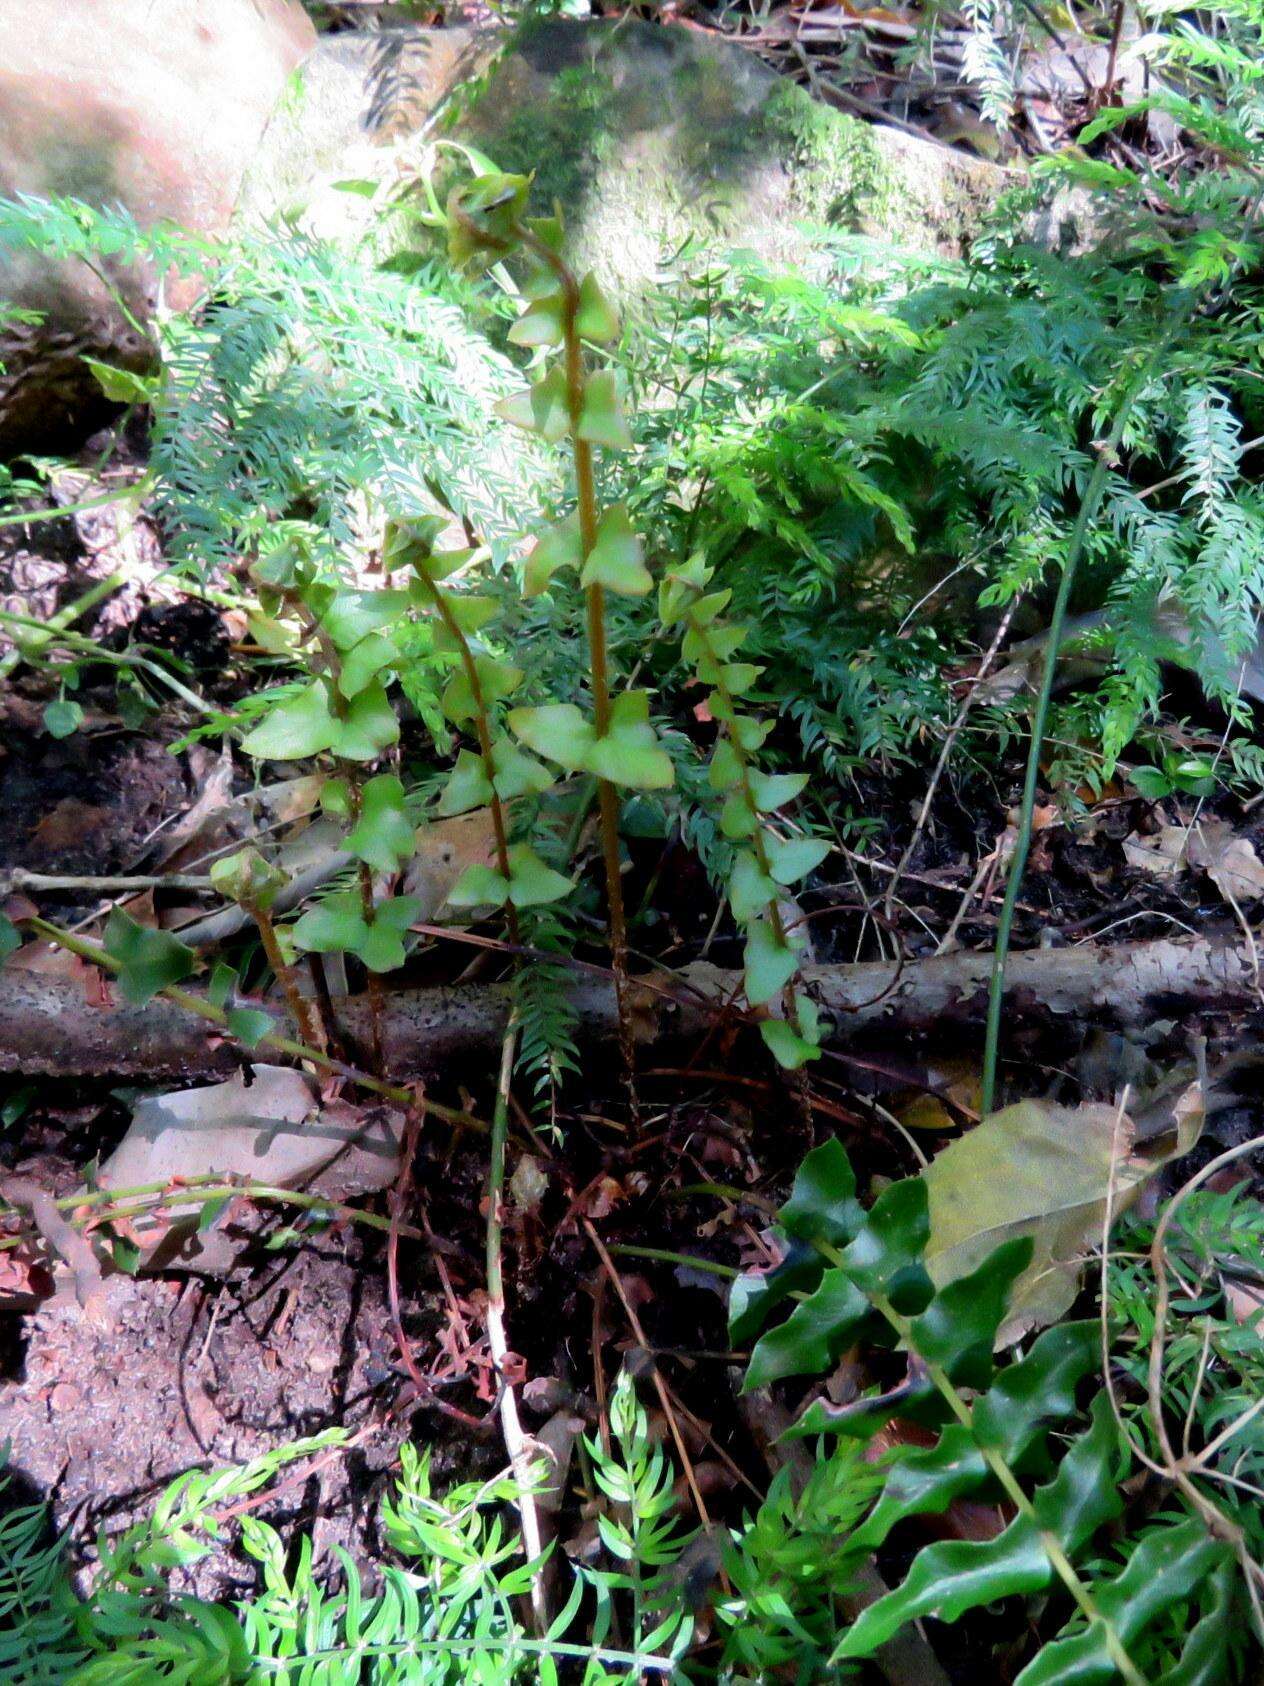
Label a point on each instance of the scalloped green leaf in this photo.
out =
(496, 679)
(792, 858)
(149, 961)
(295, 726)
(558, 731)
(814, 1336)
(774, 790)
(789, 1046)
(724, 770)
(601, 420)
(616, 561)
(629, 753)
(479, 885)
(383, 835)
(750, 888)
(948, 1579)
(368, 727)
(516, 774)
(541, 408)
(543, 322)
(596, 319)
(557, 547)
(532, 883)
(337, 925)
(468, 785)
(769, 962)
(885, 1255)
(364, 661)
(350, 616)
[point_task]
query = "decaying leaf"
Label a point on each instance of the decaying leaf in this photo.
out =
(1040, 1170)
(1211, 847)
(272, 1131)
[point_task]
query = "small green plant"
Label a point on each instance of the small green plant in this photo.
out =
(445, 1611)
(856, 1278)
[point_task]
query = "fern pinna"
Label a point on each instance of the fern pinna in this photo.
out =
(851, 1277)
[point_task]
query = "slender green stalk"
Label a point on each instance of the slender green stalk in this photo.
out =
(60, 621)
(1106, 457)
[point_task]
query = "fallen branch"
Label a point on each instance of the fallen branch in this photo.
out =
(49, 1026)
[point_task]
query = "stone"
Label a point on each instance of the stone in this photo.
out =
(649, 137)
(154, 107)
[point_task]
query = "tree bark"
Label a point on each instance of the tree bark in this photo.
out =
(49, 1027)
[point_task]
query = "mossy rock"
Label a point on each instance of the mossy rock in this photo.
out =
(651, 139)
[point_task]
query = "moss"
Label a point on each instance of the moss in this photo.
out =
(563, 137)
(838, 174)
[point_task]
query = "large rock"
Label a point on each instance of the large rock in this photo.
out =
(157, 107)
(648, 136)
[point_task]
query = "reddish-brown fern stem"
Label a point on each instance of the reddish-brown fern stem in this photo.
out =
(599, 668)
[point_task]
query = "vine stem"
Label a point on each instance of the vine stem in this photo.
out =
(1049, 1543)
(204, 1009)
(595, 605)
(1106, 457)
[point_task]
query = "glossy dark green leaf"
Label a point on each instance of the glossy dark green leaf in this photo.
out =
(149, 960)
(916, 1400)
(1040, 1388)
(823, 1204)
(1167, 1564)
(948, 1579)
(814, 1336)
(1084, 1494)
(958, 1329)
(756, 1294)
(885, 1256)
(925, 1483)
(1205, 1658)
